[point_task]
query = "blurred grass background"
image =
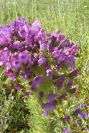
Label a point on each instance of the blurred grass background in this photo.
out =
(69, 16)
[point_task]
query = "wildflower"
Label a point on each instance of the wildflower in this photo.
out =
(18, 86)
(26, 94)
(83, 115)
(41, 59)
(63, 96)
(69, 84)
(36, 82)
(73, 90)
(49, 73)
(77, 111)
(65, 130)
(66, 119)
(60, 82)
(51, 97)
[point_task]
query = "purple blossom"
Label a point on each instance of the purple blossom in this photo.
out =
(57, 36)
(43, 46)
(10, 74)
(66, 119)
(41, 59)
(65, 43)
(60, 82)
(24, 57)
(4, 56)
(69, 84)
(5, 36)
(23, 31)
(18, 86)
(77, 111)
(36, 82)
(74, 73)
(58, 55)
(48, 107)
(70, 61)
(17, 24)
(16, 45)
(83, 115)
(63, 96)
(51, 97)
(15, 62)
(26, 94)
(49, 73)
(26, 74)
(65, 130)
(73, 90)
(27, 50)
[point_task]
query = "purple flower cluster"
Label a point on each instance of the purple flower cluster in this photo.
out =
(27, 51)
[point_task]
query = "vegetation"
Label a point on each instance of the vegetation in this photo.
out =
(18, 115)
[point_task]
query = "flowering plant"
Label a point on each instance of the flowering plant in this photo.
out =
(35, 61)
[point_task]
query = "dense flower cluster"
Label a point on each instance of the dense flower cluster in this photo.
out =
(46, 61)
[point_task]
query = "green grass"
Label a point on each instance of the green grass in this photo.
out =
(69, 16)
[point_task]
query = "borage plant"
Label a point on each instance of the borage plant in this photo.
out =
(36, 62)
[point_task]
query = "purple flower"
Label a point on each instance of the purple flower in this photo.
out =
(5, 36)
(74, 49)
(73, 90)
(18, 86)
(15, 62)
(24, 57)
(4, 56)
(36, 82)
(49, 46)
(65, 130)
(51, 97)
(70, 62)
(26, 74)
(16, 45)
(26, 94)
(27, 50)
(17, 24)
(49, 73)
(69, 84)
(74, 73)
(77, 111)
(57, 36)
(60, 82)
(63, 96)
(65, 43)
(66, 119)
(83, 115)
(82, 105)
(23, 31)
(41, 59)
(10, 74)
(48, 107)
(43, 46)
(58, 55)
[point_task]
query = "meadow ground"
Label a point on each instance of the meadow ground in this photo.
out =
(72, 18)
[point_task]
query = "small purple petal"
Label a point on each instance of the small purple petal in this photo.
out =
(51, 97)
(77, 111)
(36, 82)
(65, 130)
(73, 90)
(63, 96)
